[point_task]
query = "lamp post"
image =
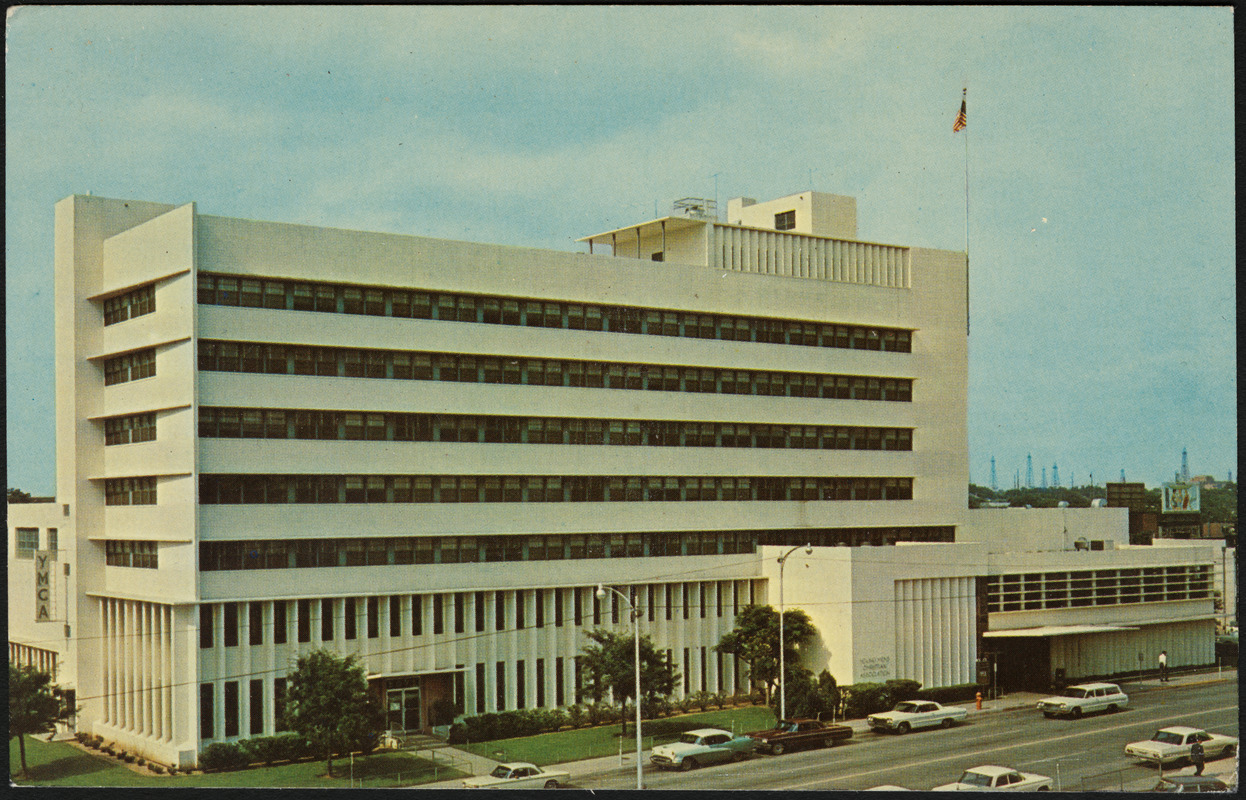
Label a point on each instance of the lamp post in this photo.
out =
(601, 593)
(782, 647)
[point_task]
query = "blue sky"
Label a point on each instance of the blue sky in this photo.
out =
(1101, 161)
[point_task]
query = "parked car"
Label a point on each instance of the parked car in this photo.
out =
(913, 714)
(700, 747)
(994, 779)
(790, 734)
(1171, 745)
(1191, 783)
(1084, 698)
(518, 775)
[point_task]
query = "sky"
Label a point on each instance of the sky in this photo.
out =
(1099, 159)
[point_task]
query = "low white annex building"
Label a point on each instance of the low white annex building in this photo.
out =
(273, 438)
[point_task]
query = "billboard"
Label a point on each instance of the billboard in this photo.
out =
(1180, 498)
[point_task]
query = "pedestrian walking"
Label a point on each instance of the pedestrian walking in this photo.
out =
(1197, 757)
(1163, 666)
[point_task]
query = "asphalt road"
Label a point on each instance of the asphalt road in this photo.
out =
(1082, 754)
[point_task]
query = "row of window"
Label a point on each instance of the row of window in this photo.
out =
(129, 553)
(276, 359)
(256, 423)
(126, 430)
(377, 301)
(253, 489)
(130, 492)
(130, 367)
(131, 304)
(26, 542)
(229, 689)
(1104, 587)
(361, 617)
(386, 551)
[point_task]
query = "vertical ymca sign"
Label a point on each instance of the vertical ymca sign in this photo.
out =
(44, 559)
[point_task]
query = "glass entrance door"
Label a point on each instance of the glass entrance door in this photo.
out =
(402, 709)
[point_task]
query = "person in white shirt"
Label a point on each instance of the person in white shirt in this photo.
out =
(1163, 666)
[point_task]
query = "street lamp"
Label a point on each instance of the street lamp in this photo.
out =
(601, 593)
(782, 647)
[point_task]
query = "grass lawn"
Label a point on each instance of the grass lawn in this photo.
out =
(61, 764)
(574, 745)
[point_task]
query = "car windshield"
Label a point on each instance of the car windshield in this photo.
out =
(1166, 737)
(972, 778)
(689, 738)
(906, 707)
(500, 772)
(1076, 693)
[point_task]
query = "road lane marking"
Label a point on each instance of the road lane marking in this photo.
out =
(1063, 737)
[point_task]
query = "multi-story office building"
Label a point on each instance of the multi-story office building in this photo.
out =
(273, 438)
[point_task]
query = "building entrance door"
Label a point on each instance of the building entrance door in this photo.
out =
(402, 709)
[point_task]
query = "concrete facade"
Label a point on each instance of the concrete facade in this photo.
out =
(273, 438)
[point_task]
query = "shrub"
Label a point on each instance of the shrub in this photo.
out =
(903, 689)
(701, 700)
(656, 707)
(600, 713)
(577, 717)
(950, 694)
(263, 748)
(291, 747)
(444, 710)
(222, 756)
(156, 768)
(142, 762)
(720, 700)
(107, 749)
(128, 758)
(458, 734)
(862, 699)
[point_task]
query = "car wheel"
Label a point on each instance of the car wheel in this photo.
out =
(946, 723)
(688, 764)
(551, 784)
(777, 749)
(1044, 788)
(1048, 714)
(903, 727)
(1227, 751)
(828, 741)
(737, 756)
(1112, 709)
(1077, 712)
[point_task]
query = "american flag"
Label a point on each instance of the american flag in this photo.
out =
(961, 122)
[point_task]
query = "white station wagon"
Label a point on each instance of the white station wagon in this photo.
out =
(1084, 698)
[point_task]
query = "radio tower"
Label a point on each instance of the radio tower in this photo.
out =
(1029, 472)
(1055, 475)
(994, 487)
(1122, 476)
(1185, 467)
(1044, 473)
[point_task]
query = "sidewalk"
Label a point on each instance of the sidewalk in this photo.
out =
(1221, 767)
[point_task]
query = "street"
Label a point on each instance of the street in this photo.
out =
(1082, 754)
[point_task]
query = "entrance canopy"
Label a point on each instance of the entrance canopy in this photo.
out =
(1056, 630)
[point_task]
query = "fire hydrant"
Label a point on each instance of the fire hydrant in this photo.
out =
(979, 706)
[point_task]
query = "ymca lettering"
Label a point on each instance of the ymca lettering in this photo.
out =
(44, 559)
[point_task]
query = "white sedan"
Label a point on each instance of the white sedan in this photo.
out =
(518, 775)
(1170, 745)
(995, 779)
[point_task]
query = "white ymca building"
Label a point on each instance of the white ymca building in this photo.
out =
(273, 438)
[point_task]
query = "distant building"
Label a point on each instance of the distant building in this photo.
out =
(1143, 519)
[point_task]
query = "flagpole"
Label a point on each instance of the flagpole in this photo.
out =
(966, 234)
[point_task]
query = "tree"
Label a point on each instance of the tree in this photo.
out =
(328, 703)
(609, 667)
(33, 705)
(808, 696)
(18, 496)
(755, 640)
